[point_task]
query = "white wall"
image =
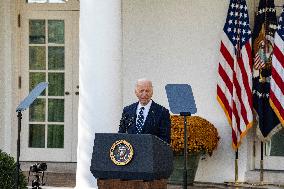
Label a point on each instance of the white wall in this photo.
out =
(6, 74)
(2, 39)
(178, 42)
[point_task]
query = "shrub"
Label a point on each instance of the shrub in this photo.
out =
(202, 135)
(8, 173)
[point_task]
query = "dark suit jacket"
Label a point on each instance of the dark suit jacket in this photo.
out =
(157, 121)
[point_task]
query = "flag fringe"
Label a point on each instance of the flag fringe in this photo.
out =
(224, 109)
(269, 136)
(248, 126)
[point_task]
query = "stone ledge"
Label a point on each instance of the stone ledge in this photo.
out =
(57, 167)
(270, 177)
(55, 179)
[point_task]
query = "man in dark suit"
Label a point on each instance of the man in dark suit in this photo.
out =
(146, 116)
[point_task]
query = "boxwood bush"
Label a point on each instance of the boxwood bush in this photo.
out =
(8, 173)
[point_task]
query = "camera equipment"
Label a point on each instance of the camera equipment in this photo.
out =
(37, 171)
(38, 167)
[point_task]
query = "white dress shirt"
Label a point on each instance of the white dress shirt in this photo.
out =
(145, 112)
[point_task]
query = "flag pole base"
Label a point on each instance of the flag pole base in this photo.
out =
(261, 172)
(245, 184)
(236, 171)
(234, 183)
(260, 184)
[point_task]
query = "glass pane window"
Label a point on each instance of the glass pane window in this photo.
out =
(55, 136)
(277, 141)
(56, 58)
(56, 31)
(47, 63)
(37, 31)
(56, 84)
(36, 136)
(56, 110)
(37, 110)
(37, 58)
(36, 78)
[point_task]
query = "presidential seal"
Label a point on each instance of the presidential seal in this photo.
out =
(263, 49)
(121, 152)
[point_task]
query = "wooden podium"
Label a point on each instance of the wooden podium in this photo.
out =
(131, 184)
(131, 161)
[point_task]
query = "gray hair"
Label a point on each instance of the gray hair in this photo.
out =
(143, 80)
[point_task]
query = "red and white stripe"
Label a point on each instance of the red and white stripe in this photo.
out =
(276, 95)
(258, 62)
(234, 87)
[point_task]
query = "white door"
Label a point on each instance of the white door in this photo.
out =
(49, 52)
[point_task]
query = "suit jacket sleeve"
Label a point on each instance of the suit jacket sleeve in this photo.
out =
(122, 123)
(165, 126)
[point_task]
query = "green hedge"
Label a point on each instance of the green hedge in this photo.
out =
(8, 173)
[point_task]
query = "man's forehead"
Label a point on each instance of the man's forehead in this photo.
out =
(144, 85)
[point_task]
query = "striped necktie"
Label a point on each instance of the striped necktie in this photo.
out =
(140, 121)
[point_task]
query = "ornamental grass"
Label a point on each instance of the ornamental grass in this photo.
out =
(202, 135)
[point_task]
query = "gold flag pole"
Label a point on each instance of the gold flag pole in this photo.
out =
(236, 167)
(238, 56)
(261, 164)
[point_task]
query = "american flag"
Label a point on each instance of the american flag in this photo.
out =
(276, 96)
(263, 42)
(234, 84)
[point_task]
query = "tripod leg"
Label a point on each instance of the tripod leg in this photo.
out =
(42, 183)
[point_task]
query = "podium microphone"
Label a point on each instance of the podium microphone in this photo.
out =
(130, 123)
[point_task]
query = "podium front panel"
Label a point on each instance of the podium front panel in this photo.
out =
(152, 157)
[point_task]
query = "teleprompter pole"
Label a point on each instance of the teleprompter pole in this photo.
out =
(185, 114)
(18, 149)
(21, 107)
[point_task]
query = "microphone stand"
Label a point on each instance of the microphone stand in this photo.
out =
(185, 114)
(124, 121)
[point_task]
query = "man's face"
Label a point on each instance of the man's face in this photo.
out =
(144, 92)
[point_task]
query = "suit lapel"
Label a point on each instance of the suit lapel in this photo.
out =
(133, 110)
(132, 114)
